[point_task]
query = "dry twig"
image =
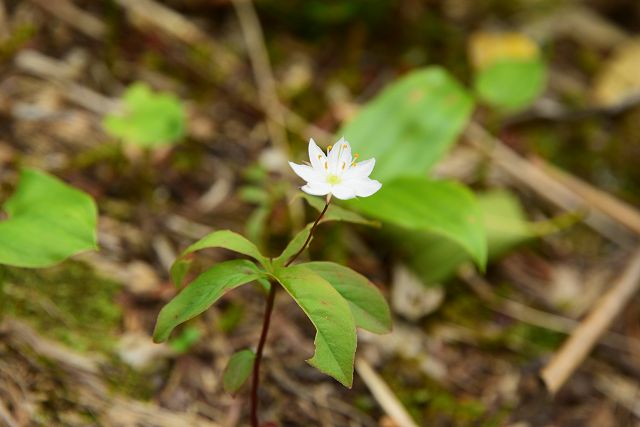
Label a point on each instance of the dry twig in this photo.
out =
(383, 394)
(622, 212)
(67, 12)
(534, 177)
(254, 38)
(585, 336)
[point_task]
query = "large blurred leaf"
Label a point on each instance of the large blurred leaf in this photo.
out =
(368, 306)
(445, 208)
(218, 239)
(149, 119)
(511, 84)
(48, 222)
(200, 294)
(335, 340)
(238, 370)
(436, 259)
(411, 124)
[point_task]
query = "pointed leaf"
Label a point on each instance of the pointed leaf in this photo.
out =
(435, 259)
(48, 222)
(294, 246)
(440, 207)
(411, 124)
(338, 213)
(368, 306)
(335, 340)
(200, 294)
(334, 213)
(218, 239)
(238, 370)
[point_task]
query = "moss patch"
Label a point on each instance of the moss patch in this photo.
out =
(68, 303)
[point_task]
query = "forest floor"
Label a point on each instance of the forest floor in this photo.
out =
(75, 339)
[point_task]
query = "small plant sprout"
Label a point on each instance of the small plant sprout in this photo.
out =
(336, 173)
(336, 299)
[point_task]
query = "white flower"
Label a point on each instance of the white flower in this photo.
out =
(337, 172)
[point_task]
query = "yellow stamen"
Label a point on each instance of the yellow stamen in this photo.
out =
(326, 166)
(329, 148)
(319, 156)
(343, 165)
(356, 155)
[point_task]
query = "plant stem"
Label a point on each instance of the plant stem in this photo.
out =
(256, 366)
(267, 320)
(306, 242)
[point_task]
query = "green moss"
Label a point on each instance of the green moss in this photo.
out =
(68, 303)
(123, 379)
(17, 40)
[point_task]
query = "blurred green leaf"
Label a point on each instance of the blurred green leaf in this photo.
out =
(238, 370)
(411, 124)
(149, 120)
(511, 84)
(435, 259)
(200, 294)
(368, 306)
(444, 208)
(187, 338)
(218, 239)
(48, 222)
(329, 312)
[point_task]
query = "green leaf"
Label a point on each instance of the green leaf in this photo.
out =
(218, 239)
(294, 246)
(436, 259)
(187, 338)
(368, 307)
(149, 120)
(444, 208)
(48, 222)
(334, 213)
(511, 84)
(338, 213)
(335, 340)
(200, 294)
(411, 124)
(238, 370)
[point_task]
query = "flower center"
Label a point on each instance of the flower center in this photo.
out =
(333, 179)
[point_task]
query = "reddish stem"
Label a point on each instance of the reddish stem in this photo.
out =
(265, 325)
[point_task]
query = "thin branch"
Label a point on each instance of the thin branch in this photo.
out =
(622, 212)
(547, 187)
(254, 38)
(383, 394)
(256, 366)
(584, 337)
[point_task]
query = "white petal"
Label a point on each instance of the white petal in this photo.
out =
(333, 156)
(307, 173)
(365, 187)
(316, 156)
(360, 170)
(343, 191)
(316, 189)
